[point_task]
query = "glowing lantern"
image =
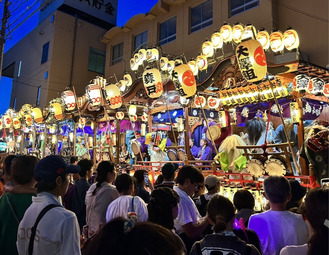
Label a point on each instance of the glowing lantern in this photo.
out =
(82, 122)
(316, 86)
(290, 39)
(37, 115)
(207, 49)
(217, 40)
(7, 121)
(1, 123)
(113, 96)
(212, 102)
(54, 139)
(94, 94)
(132, 110)
(164, 64)
(119, 115)
(237, 33)
(202, 62)
(152, 54)
(142, 55)
(152, 82)
(170, 66)
(264, 38)
(16, 123)
(133, 65)
(326, 90)
(178, 62)
(251, 59)
(144, 117)
(300, 83)
(226, 32)
(184, 80)
(249, 32)
(200, 101)
(193, 67)
(56, 108)
(294, 112)
(133, 118)
(222, 119)
(69, 100)
(143, 129)
(28, 120)
(128, 80)
(276, 41)
(122, 85)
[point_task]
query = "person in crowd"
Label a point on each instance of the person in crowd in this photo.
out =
(278, 227)
(244, 202)
(159, 180)
(57, 232)
(100, 195)
(124, 155)
(223, 241)
(297, 194)
(256, 129)
(315, 211)
(194, 148)
(68, 197)
(168, 171)
(122, 237)
(189, 224)
(205, 151)
(13, 206)
(80, 190)
(142, 177)
(126, 204)
(212, 184)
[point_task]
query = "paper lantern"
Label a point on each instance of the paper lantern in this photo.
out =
(143, 129)
(200, 101)
(164, 64)
(119, 115)
(202, 62)
(1, 123)
(56, 108)
(178, 62)
(316, 86)
(276, 41)
(144, 117)
(16, 123)
(326, 90)
(132, 110)
(94, 94)
(37, 115)
(251, 59)
(152, 55)
(113, 96)
(184, 80)
(301, 82)
(294, 112)
(136, 58)
(212, 102)
(133, 118)
(7, 121)
(207, 49)
(291, 39)
(193, 67)
(133, 65)
(170, 66)
(121, 85)
(264, 38)
(237, 33)
(153, 83)
(222, 119)
(249, 32)
(226, 32)
(142, 55)
(82, 122)
(28, 120)
(217, 40)
(128, 80)
(69, 100)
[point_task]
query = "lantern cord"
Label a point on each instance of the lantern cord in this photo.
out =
(205, 118)
(284, 128)
(172, 128)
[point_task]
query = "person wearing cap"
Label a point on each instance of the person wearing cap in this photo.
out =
(168, 171)
(58, 230)
(297, 194)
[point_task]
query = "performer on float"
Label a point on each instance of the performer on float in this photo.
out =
(205, 152)
(124, 155)
(194, 148)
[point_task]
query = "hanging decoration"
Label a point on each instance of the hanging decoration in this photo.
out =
(237, 33)
(291, 39)
(200, 101)
(16, 123)
(68, 99)
(113, 96)
(202, 62)
(276, 41)
(119, 115)
(212, 102)
(193, 66)
(294, 112)
(316, 86)
(264, 38)
(94, 94)
(153, 83)
(56, 109)
(222, 119)
(207, 49)
(226, 33)
(184, 80)
(301, 83)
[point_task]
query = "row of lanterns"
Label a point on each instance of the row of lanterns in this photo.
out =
(317, 86)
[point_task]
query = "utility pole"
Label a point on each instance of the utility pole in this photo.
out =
(5, 17)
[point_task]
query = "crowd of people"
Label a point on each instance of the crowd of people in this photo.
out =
(51, 207)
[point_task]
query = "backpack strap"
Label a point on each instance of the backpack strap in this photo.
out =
(132, 204)
(34, 228)
(198, 248)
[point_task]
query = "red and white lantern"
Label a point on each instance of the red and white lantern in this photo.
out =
(301, 82)
(264, 38)
(119, 115)
(69, 100)
(217, 40)
(7, 121)
(202, 62)
(184, 80)
(28, 120)
(153, 83)
(16, 123)
(212, 102)
(94, 94)
(276, 41)
(113, 96)
(316, 86)
(200, 101)
(291, 39)
(207, 49)
(226, 32)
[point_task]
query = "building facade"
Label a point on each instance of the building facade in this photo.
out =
(64, 49)
(180, 27)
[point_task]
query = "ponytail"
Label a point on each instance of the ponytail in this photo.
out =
(103, 169)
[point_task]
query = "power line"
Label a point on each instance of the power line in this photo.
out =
(22, 14)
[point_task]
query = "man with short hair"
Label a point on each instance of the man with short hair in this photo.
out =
(58, 231)
(168, 171)
(189, 224)
(278, 227)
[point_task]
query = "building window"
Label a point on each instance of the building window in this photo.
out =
(46, 75)
(14, 103)
(19, 68)
(117, 53)
(96, 60)
(38, 95)
(201, 16)
(167, 31)
(45, 50)
(52, 19)
(140, 41)
(239, 6)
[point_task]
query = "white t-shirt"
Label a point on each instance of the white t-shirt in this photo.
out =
(187, 211)
(295, 250)
(277, 229)
(123, 204)
(57, 232)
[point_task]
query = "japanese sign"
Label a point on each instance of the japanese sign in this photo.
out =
(153, 83)
(184, 80)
